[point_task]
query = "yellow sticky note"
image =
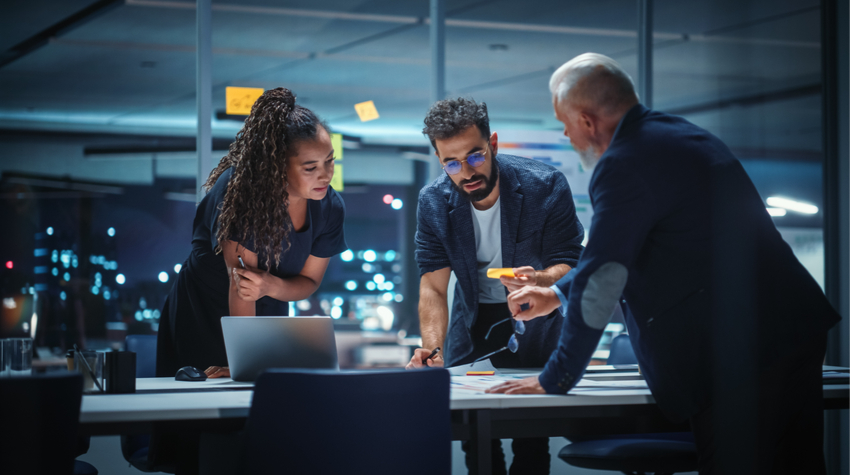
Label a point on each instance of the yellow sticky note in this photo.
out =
(336, 142)
(241, 99)
(366, 111)
(495, 273)
(336, 182)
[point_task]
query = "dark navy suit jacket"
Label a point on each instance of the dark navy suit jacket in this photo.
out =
(539, 229)
(714, 296)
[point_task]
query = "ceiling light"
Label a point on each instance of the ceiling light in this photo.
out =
(776, 211)
(792, 205)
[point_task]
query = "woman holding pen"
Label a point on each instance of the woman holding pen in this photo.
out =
(262, 235)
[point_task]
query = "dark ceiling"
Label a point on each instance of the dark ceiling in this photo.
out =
(748, 70)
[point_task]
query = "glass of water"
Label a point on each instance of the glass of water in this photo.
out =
(19, 354)
(4, 358)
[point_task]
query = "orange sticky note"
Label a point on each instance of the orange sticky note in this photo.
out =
(366, 111)
(495, 273)
(241, 99)
(480, 373)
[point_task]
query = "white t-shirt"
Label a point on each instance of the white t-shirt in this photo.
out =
(488, 247)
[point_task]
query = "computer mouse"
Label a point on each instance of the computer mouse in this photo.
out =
(190, 373)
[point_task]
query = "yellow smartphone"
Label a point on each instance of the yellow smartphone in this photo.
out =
(496, 273)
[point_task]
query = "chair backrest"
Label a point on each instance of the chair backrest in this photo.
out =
(144, 346)
(327, 422)
(39, 418)
(622, 351)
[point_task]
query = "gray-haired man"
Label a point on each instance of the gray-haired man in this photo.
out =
(728, 327)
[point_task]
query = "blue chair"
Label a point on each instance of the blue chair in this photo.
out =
(661, 454)
(40, 417)
(135, 447)
(327, 422)
(622, 352)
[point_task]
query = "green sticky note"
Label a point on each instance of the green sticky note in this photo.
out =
(336, 182)
(336, 142)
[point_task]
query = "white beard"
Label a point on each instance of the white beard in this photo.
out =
(588, 157)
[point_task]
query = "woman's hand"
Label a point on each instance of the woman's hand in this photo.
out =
(252, 285)
(217, 372)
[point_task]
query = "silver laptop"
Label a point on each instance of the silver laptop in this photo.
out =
(255, 344)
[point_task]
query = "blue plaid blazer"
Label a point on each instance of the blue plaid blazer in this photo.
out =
(539, 229)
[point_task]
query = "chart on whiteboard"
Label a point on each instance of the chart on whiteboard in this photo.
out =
(552, 148)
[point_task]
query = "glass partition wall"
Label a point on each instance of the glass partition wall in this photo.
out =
(97, 130)
(750, 73)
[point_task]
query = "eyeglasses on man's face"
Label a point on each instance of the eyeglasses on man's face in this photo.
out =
(513, 344)
(453, 167)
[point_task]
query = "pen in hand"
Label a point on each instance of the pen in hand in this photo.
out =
(431, 356)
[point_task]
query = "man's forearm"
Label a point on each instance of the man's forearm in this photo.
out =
(568, 361)
(433, 320)
(550, 275)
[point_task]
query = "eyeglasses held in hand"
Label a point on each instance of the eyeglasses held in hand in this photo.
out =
(513, 344)
(453, 167)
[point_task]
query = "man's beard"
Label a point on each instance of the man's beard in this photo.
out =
(484, 191)
(588, 157)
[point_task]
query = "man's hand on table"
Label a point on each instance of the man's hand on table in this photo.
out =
(540, 300)
(217, 372)
(518, 386)
(421, 354)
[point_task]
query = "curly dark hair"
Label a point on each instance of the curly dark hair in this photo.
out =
(450, 117)
(255, 206)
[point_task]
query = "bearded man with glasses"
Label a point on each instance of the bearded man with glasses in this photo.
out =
(489, 210)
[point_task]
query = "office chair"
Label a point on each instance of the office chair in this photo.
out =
(622, 352)
(663, 453)
(327, 422)
(41, 416)
(135, 447)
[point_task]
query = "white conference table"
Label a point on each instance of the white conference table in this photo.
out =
(158, 399)
(603, 404)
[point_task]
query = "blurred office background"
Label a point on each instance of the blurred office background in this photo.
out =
(98, 127)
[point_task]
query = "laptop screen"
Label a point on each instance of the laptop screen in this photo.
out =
(255, 344)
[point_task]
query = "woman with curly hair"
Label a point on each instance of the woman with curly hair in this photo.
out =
(269, 202)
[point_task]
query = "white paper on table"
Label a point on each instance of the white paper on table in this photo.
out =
(484, 365)
(628, 384)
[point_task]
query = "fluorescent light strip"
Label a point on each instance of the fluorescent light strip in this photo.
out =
(459, 23)
(776, 211)
(791, 205)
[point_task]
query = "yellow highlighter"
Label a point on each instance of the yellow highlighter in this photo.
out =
(496, 273)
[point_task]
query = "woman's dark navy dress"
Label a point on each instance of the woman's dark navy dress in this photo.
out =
(190, 326)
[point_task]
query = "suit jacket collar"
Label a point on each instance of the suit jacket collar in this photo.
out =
(460, 215)
(634, 114)
(637, 112)
(511, 198)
